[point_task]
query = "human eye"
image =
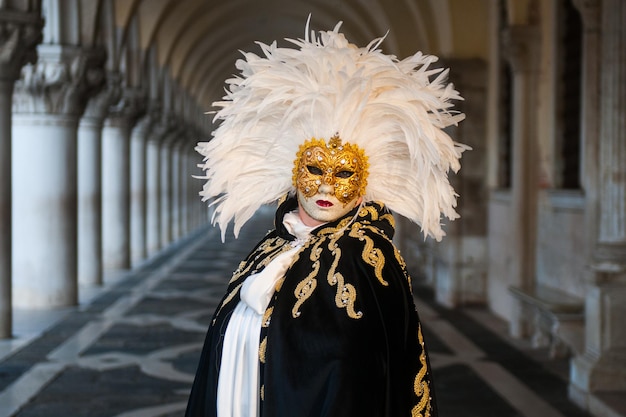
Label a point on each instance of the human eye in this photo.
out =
(344, 174)
(314, 170)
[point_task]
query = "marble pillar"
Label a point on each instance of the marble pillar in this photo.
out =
(153, 194)
(166, 187)
(461, 272)
(522, 47)
(190, 186)
(186, 180)
(116, 193)
(138, 190)
(48, 101)
(19, 34)
(90, 187)
(6, 91)
(202, 212)
(176, 207)
(602, 366)
(116, 135)
(44, 206)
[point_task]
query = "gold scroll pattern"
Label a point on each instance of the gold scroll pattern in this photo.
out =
(420, 386)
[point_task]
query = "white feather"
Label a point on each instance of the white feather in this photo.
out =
(326, 85)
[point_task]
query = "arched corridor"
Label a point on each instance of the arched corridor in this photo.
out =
(103, 101)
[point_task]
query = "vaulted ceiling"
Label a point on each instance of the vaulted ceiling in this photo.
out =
(198, 41)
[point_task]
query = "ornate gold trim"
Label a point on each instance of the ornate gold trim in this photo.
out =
(420, 386)
(229, 298)
(262, 349)
(371, 255)
(267, 316)
(345, 296)
(306, 287)
(304, 290)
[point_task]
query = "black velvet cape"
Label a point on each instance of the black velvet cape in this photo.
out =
(341, 336)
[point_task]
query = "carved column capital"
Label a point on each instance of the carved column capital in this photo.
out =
(163, 128)
(19, 35)
(98, 105)
(176, 136)
(520, 45)
(129, 108)
(148, 122)
(61, 81)
(590, 12)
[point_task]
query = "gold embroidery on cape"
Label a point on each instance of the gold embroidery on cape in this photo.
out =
(402, 263)
(371, 255)
(304, 290)
(377, 231)
(279, 284)
(371, 210)
(389, 218)
(346, 293)
(229, 298)
(306, 287)
(420, 386)
(339, 227)
(276, 245)
(262, 392)
(262, 348)
(266, 247)
(345, 296)
(266, 317)
(399, 258)
(239, 271)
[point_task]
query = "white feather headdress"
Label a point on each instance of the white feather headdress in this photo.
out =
(390, 108)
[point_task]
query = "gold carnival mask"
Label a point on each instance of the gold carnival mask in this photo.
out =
(342, 166)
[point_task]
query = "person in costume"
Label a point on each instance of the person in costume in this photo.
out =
(319, 320)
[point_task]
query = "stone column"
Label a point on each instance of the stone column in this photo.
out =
(19, 35)
(602, 367)
(138, 185)
(47, 104)
(202, 212)
(90, 187)
(461, 273)
(177, 187)
(116, 182)
(192, 184)
(160, 133)
(166, 187)
(186, 180)
(590, 113)
(153, 190)
(522, 47)
(198, 209)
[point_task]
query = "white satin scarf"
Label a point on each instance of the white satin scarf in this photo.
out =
(238, 383)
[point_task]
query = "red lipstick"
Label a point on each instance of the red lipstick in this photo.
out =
(324, 203)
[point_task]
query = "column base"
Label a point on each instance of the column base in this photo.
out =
(607, 373)
(605, 403)
(460, 277)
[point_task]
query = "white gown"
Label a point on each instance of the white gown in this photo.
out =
(238, 383)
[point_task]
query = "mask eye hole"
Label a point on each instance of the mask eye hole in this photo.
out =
(344, 174)
(314, 170)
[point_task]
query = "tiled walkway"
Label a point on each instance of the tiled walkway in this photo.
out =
(132, 350)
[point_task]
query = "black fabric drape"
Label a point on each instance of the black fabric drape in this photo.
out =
(341, 336)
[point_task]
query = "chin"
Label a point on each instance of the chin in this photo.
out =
(325, 214)
(328, 214)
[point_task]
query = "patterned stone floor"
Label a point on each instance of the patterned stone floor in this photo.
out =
(131, 351)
